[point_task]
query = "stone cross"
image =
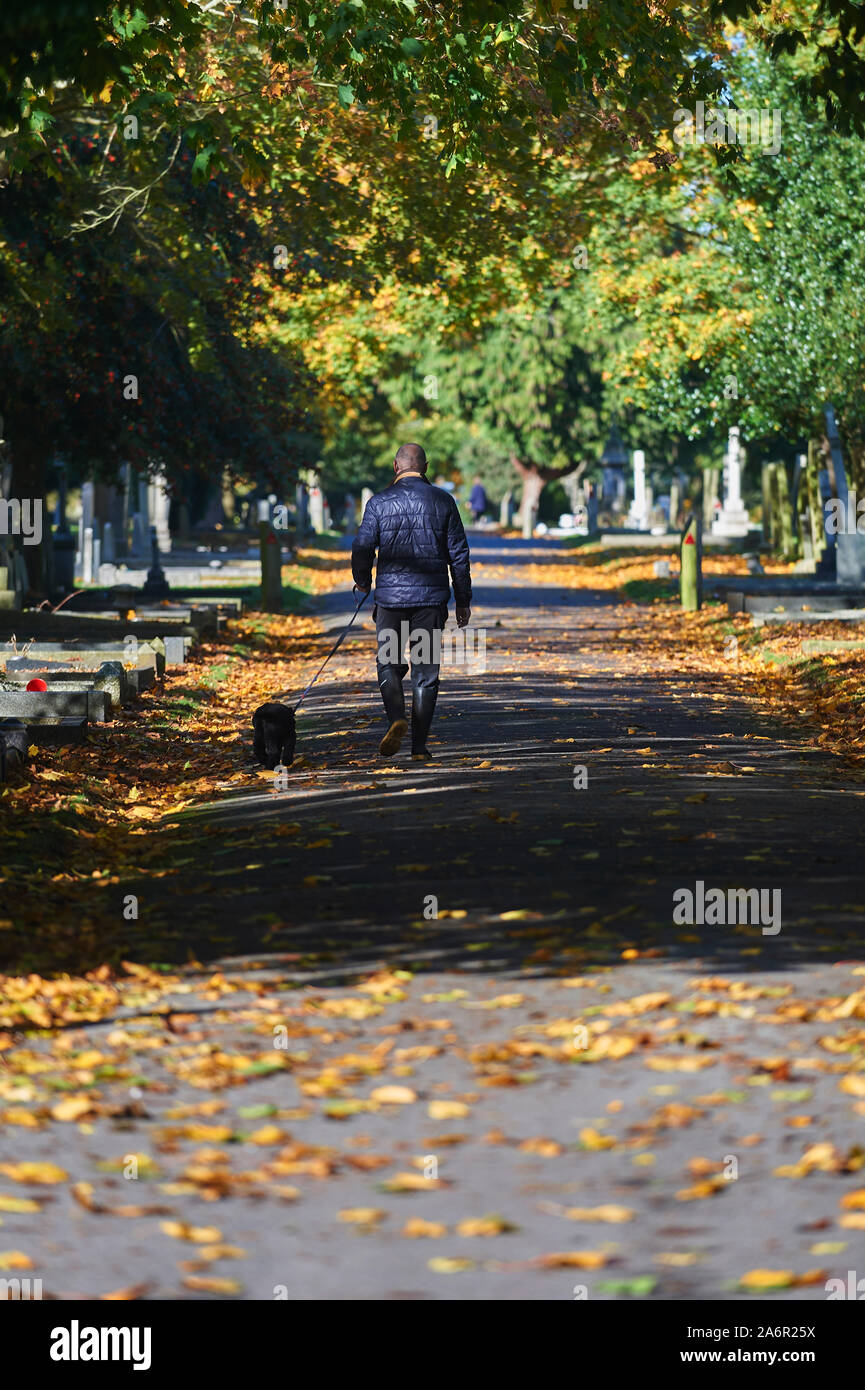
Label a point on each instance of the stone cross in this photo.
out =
(733, 519)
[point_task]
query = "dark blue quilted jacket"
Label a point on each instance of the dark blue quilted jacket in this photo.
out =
(417, 532)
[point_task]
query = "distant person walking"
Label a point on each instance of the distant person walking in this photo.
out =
(417, 532)
(478, 501)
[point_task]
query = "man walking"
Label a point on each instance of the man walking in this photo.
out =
(417, 531)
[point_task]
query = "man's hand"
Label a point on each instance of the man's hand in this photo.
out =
(360, 593)
(463, 615)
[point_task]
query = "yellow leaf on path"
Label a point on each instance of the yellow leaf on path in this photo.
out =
(610, 1213)
(855, 1221)
(268, 1134)
(24, 1118)
(700, 1190)
(692, 1062)
(201, 1283)
(853, 1085)
(18, 1204)
(608, 1045)
(394, 1095)
(577, 1259)
(133, 794)
(484, 1226)
(444, 1264)
(854, 1200)
(15, 1259)
(83, 1195)
(768, 1279)
(34, 1172)
(447, 1109)
(207, 1134)
(502, 1001)
(71, 1108)
(417, 1227)
(411, 1182)
(383, 982)
(181, 1230)
(641, 1003)
(592, 1139)
(547, 1148)
(363, 1215)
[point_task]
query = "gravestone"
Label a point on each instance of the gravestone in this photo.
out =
(159, 507)
(63, 541)
(814, 502)
(138, 544)
(675, 502)
(85, 524)
(850, 546)
(827, 565)
(87, 505)
(126, 509)
(13, 749)
(639, 513)
(301, 506)
(9, 599)
(765, 481)
(271, 568)
(157, 585)
(365, 496)
(785, 511)
(798, 484)
(349, 514)
(316, 509)
(733, 518)
(86, 571)
(506, 511)
(710, 495)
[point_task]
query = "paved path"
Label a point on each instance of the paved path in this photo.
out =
(552, 1002)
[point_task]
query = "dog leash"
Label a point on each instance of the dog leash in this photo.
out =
(334, 648)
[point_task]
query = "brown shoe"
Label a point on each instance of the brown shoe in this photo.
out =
(393, 738)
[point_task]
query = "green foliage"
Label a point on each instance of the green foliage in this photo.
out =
(735, 294)
(170, 298)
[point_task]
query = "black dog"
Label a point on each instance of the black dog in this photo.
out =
(275, 735)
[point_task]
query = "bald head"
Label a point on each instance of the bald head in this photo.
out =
(410, 458)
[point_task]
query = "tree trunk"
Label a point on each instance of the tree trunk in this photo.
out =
(29, 456)
(533, 482)
(534, 479)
